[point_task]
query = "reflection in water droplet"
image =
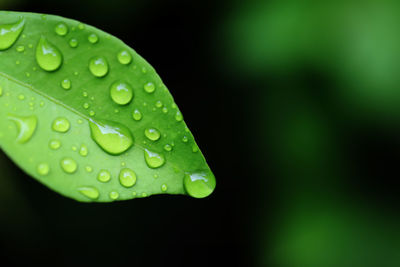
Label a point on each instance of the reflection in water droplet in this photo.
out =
(48, 56)
(124, 57)
(112, 137)
(9, 33)
(153, 160)
(54, 144)
(114, 195)
(137, 116)
(66, 84)
(61, 125)
(89, 192)
(199, 184)
(43, 169)
(152, 134)
(93, 38)
(73, 42)
(104, 176)
(149, 87)
(127, 177)
(61, 29)
(69, 165)
(121, 93)
(98, 66)
(26, 127)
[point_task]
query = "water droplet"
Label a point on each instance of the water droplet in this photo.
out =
(121, 92)
(152, 134)
(124, 57)
(184, 139)
(195, 148)
(86, 105)
(66, 84)
(1, 91)
(89, 192)
(54, 144)
(153, 160)
(85, 94)
(114, 195)
(48, 56)
(199, 184)
(104, 176)
(149, 87)
(21, 97)
(178, 116)
(164, 110)
(144, 194)
(168, 147)
(43, 169)
(74, 148)
(81, 26)
(26, 127)
(92, 113)
(89, 169)
(98, 66)
(83, 151)
(93, 38)
(61, 125)
(20, 48)
(9, 33)
(61, 29)
(127, 177)
(112, 137)
(164, 187)
(137, 116)
(159, 104)
(73, 42)
(69, 165)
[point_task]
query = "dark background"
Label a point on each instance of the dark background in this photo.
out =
(296, 107)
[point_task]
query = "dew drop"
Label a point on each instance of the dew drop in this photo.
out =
(86, 105)
(48, 56)
(81, 26)
(112, 137)
(26, 127)
(199, 184)
(149, 87)
(61, 29)
(113, 195)
(184, 139)
(137, 116)
(98, 66)
(89, 169)
(73, 42)
(9, 33)
(61, 125)
(124, 57)
(93, 38)
(90, 192)
(69, 165)
(127, 177)
(83, 150)
(54, 144)
(159, 104)
(153, 160)
(66, 84)
(164, 187)
(164, 110)
(92, 113)
(21, 97)
(152, 134)
(20, 48)
(43, 169)
(195, 148)
(121, 93)
(167, 147)
(104, 176)
(178, 116)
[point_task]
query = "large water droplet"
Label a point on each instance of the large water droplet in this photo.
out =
(90, 192)
(61, 125)
(43, 169)
(98, 66)
(124, 57)
(127, 177)
(152, 134)
(112, 137)
(153, 160)
(69, 165)
(121, 92)
(48, 56)
(26, 127)
(9, 33)
(61, 29)
(199, 184)
(104, 176)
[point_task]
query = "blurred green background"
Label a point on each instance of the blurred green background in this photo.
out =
(296, 107)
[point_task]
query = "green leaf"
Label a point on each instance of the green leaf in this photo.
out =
(84, 114)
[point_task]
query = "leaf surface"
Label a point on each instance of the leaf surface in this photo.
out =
(84, 114)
